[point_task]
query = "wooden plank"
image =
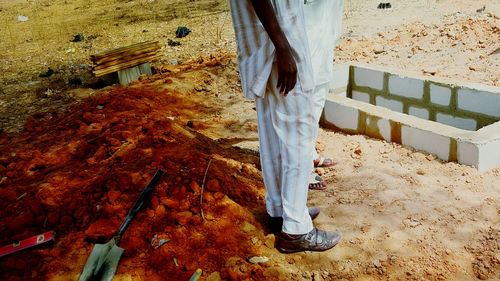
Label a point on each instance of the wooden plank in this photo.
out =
(126, 54)
(129, 64)
(121, 60)
(133, 47)
(137, 46)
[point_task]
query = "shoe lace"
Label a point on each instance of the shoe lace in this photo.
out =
(314, 233)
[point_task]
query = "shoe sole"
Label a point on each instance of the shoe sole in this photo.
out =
(289, 251)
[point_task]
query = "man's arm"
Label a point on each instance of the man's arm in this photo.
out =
(287, 67)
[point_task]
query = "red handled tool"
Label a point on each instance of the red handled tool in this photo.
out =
(27, 243)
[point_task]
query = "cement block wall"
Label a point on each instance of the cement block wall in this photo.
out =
(459, 106)
(454, 122)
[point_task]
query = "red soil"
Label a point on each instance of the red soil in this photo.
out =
(78, 173)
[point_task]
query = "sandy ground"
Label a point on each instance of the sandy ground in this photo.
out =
(404, 215)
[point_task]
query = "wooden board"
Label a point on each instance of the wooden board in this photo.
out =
(131, 48)
(124, 65)
(124, 60)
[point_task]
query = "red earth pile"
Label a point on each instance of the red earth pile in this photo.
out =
(79, 172)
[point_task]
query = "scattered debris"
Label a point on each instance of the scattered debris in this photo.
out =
(203, 189)
(258, 259)
(377, 264)
(430, 71)
(378, 49)
(481, 10)
(22, 196)
(22, 18)
(495, 52)
(384, 6)
(157, 242)
(173, 43)
(78, 37)
(47, 73)
(182, 31)
(196, 275)
(420, 172)
(248, 227)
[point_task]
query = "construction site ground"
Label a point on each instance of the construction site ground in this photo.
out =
(75, 155)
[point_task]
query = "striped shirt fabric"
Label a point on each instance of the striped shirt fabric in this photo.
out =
(256, 52)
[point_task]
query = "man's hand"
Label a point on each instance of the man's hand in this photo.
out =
(287, 67)
(287, 71)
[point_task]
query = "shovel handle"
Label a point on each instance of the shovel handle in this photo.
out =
(140, 201)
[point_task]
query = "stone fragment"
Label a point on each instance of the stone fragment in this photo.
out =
(247, 227)
(257, 260)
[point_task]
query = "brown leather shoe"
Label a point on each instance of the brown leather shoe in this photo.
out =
(276, 223)
(316, 240)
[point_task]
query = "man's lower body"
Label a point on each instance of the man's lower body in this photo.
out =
(318, 100)
(287, 132)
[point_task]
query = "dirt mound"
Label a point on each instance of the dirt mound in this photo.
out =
(423, 48)
(78, 173)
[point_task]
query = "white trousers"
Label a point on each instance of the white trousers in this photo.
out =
(319, 98)
(287, 131)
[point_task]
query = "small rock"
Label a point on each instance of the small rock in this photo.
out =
(257, 260)
(430, 71)
(316, 276)
(420, 172)
(22, 18)
(182, 31)
(269, 241)
(430, 157)
(100, 107)
(377, 264)
(173, 43)
(214, 276)
(248, 227)
(78, 37)
(378, 49)
(47, 73)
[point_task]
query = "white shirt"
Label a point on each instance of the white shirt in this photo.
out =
(256, 52)
(324, 27)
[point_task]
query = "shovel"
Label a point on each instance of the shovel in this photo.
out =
(104, 258)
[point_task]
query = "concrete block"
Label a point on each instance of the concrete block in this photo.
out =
(390, 104)
(341, 116)
(427, 141)
(440, 95)
(384, 127)
(489, 156)
(419, 112)
(378, 128)
(457, 122)
(368, 78)
(406, 87)
(479, 101)
(360, 96)
(468, 153)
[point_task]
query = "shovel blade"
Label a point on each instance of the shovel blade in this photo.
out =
(102, 262)
(110, 265)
